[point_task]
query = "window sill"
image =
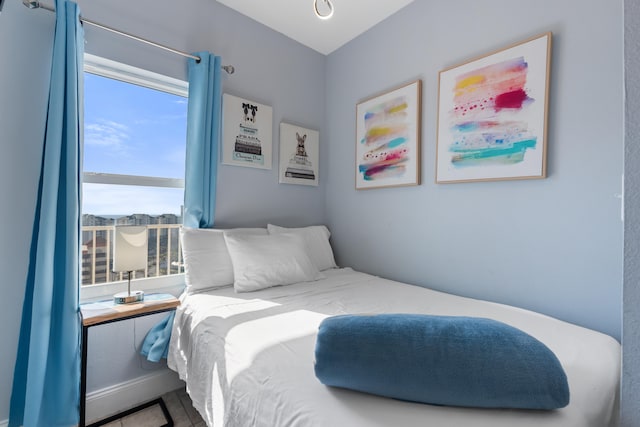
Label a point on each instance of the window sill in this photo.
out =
(173, 285)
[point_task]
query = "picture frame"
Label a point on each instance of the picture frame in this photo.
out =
(299, 155)
(492, 115)
(247, 131)
(388, 132)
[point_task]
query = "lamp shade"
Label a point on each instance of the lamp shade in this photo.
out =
(129, 248)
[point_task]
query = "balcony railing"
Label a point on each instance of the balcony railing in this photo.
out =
(164, 257)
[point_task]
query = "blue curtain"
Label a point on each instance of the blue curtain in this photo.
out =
(47, 370)
(203, 139)
(204, 114)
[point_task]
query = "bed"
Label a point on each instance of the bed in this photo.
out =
(248, 358)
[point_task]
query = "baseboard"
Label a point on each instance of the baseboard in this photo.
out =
(111, 400)
(117, 398)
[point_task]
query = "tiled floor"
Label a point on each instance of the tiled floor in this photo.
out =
(179, 406)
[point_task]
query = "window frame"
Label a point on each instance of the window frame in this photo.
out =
(115, 70)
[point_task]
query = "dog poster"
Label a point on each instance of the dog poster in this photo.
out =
(299, 154)
(246, 132)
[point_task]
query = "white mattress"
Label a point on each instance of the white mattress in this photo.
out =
(247, 359)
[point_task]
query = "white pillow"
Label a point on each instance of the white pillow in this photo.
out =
(207, 264)
(264, 261)
(316, 238)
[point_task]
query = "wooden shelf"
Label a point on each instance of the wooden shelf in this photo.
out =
(95, 313)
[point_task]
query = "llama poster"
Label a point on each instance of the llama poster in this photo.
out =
(246, 132)
(299, 155)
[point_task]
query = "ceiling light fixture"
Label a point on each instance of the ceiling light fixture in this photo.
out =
(327, 9)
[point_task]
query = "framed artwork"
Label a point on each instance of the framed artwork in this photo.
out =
(388, 138)
(492, 115)
(299, 155)
(246, 132)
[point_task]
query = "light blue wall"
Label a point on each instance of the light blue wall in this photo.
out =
(552, 245)
(270, 69)
(630, 410)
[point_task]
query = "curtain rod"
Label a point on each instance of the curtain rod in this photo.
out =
(37, 5)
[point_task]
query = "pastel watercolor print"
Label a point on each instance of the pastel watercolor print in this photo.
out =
(492, 115)
(388, 139)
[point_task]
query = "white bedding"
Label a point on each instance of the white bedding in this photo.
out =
(247, 359)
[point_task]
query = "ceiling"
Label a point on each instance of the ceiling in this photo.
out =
(297, 20)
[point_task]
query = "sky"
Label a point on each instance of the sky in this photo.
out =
(132, 130)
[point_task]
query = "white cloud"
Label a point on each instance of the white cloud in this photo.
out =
(108, 134)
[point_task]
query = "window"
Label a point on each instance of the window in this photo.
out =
(133, 166)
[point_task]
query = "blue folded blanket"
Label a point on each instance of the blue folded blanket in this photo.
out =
(442, 360)
(156, 343)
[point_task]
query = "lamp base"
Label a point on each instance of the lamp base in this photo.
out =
(128, 298)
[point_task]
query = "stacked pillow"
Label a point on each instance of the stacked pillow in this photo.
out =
(207, 261)
(316, 239)
(254, 258)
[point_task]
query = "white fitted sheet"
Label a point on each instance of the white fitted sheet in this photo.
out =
(247, 359)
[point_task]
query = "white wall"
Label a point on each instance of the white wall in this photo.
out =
(552, 245)
(630, 408)
(270, 69)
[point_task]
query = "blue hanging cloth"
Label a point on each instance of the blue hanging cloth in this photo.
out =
(46, 378)
(204, 114)
(156, 343)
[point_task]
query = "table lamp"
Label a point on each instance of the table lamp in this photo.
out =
(129, 254)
